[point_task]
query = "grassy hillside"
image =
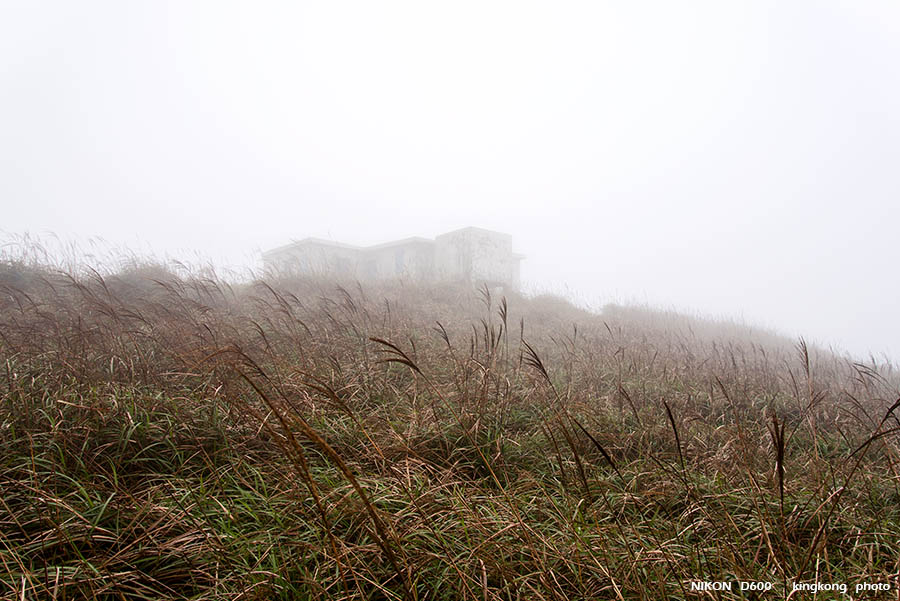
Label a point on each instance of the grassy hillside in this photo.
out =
(167, 437)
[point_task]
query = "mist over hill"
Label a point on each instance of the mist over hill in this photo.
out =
(329, 300)
(167, 433)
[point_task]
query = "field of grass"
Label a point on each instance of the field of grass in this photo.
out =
(179, 437)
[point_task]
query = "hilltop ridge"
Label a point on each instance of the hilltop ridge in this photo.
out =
(175, 435)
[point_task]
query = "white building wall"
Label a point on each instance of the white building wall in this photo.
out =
(468, 255)
(310, 257)
(410, 260)
(476, 255)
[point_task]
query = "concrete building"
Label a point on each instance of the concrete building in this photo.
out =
(472, 254)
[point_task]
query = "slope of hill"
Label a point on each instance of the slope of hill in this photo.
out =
(180, 437)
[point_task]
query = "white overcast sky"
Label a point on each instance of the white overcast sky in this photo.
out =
(733, 159)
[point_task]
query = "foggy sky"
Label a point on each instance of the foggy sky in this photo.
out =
(733, 159)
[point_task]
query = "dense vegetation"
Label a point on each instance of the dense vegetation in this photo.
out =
(170, 437)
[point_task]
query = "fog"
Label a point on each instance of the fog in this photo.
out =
(730, 159)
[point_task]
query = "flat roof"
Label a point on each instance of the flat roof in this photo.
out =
(405, 241)
(473, 228)
(310, 241)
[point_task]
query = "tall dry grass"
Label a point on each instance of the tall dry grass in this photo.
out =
(169, 435)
